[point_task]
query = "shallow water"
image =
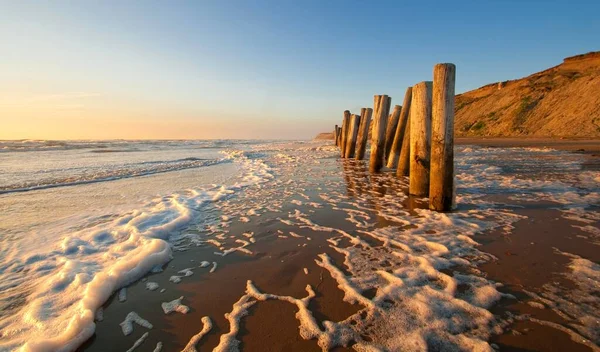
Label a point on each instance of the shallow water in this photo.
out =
(93, 238)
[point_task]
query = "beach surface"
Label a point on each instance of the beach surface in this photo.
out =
(292, 248)
(570, 144)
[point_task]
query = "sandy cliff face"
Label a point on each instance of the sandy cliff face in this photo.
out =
(562, 101)
(325, 135)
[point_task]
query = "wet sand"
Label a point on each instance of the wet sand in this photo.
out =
(275, 267)
(527, 259)
(570, 144)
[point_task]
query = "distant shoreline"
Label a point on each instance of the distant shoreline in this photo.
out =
(581, 144)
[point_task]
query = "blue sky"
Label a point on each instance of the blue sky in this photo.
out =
(256, 69)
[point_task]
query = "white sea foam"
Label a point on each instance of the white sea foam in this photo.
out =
(206, 327)
(133, 317)
(151, 286)
(578, 305)
(186, 272)
(138, 342)
(68, 282)
(123, 294)
(174, 306)
(158, 348)
(228, 341)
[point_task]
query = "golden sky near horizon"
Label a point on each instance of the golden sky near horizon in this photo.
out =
(81, 115)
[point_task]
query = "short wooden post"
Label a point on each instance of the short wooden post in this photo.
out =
(441, 187)
(335, 134)
(378, 133)
(420, 138)
(400, 130)
(363, 133)
(390, 130)
(352, 134)
(338, 137)
(345, 125)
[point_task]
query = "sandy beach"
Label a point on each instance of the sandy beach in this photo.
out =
(528, 239)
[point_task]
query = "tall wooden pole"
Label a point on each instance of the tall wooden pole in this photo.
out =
(345, 124)
(420, 138)
(441, 187)
(362, 112)
(400, 130)
(352, 134)
(404, 159)
(335, 135)
(363, 133)
(378, 133)
(391, 130)
(376, 101)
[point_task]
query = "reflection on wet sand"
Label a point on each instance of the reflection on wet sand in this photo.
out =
(376, 188)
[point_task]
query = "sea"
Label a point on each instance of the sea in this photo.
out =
(79, 220)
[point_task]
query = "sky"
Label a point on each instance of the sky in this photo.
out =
(256, 69)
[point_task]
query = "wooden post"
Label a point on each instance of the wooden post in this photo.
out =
(391, 130)
(378, 133)
(363, 133)
(335, 134)
(338, 136)
(376, 100)
(420, 139)
(404, 159)
(441, 188)
(387, 109)
(352, 134)
(400, 130)
(345, 124)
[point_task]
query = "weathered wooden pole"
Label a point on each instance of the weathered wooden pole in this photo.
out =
(376, 100)
(441, 186)
(345, 124)
(363, 133)
(403, 168)
(335, 135)
(378, 133)
(390, 130)
(352, 134)
(400, 130)
(362, 111)
(420, 139)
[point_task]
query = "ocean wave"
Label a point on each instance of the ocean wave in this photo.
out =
(80, 176)
(99, 146)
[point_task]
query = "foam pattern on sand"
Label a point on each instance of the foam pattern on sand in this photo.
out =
(174, 306)
(534, 175)
(416, 278)
(66, 284)
(133, 317)
(578, 305)
(206, 327)
(411, 273)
